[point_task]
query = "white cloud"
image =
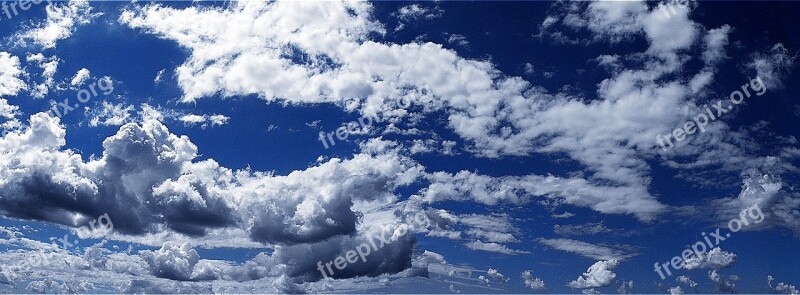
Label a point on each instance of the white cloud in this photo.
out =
(532, 282)
(724, 283)
(80, 77)
(714, 259)
(8, 111)
(413, 12)
(466, 185)
(677, 290)
(686, 281)
(49, 66)
(62, 18)
(10, 73)
(148, 181)
(600, 274)
(204, 120)
(494, 247)
(497, 276)
(109, 114)
(773, 66)
(586, 249)
(177, 262)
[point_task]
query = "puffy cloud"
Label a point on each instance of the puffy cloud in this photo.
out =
(172, 261)
(53, 286)
(686, 281)
(8, 111)
(677, 290)
(146, 179)
(586, 249)
(714, 259)
(109, 114)
(497, 276)
(724, 283)
(10, 73)
(496, 115)
(49, 66)
(80, 77)
(147, 182)
(204, 120)
(782, 287)
(532, 282)
(600, 274)
(62, 18)
(625, 288)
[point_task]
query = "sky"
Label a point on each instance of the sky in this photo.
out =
(399, 147)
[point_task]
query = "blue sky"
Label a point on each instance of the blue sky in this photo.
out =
(513, 147)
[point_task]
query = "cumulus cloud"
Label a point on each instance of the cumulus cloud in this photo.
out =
(714, 259)
(600, 274)
(172, 261)
(80, 77)
(686, 281)
(49, 66)
(723, 283)
(62, 18)
(496, 115)
(8, 111)
(10, 73)
(782, 287)
(204, 120)
(677, 290)
(532, 282)
(109, 114)
(497, 276)
(148, 182)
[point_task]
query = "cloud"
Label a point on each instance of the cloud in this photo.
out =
(772, 66)
(782, 287)
(49, 66)
(8, 111)
(581, 229)
(724, 283)
(148, 183)
(677, 290)
(686, 281)
(494, 247)
(488, 190)
(625, 288)
(109, 114)
(172, 261)
(10, 73)
(714, 259)
(62, 18)
(497, 276)
(204, 120)
(80, 77)
(600, 274)
(586, 249)
(532, 282)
